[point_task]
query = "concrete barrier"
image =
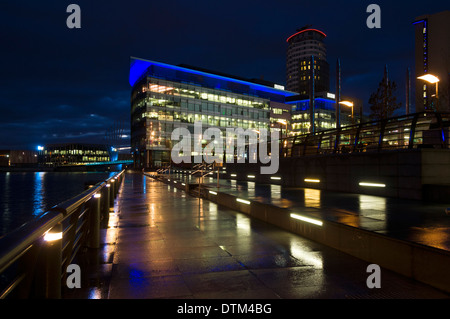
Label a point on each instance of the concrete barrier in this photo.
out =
(403, 172)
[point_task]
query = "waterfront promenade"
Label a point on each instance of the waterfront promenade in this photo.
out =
(163, 243)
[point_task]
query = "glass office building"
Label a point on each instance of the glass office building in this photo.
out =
(74, 154)
(165, 97)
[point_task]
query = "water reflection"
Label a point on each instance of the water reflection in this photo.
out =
(434, 236)
(212, 210)
(313, 258)
(275, 191)
(372, 208)
(144, 183)
(312, 198)
(38, 193)
(251, 189)
(243, 225)
(152, 214)
(24, 195)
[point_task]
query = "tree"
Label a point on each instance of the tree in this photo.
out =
(383, 103)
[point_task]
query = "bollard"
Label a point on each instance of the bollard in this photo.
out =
(48, 275)
(95, 218)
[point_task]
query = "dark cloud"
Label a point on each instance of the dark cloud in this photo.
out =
(59, 84)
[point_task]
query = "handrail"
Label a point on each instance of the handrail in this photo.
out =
(13, 244)
(416, 130)
(31, 265)
(423, 129)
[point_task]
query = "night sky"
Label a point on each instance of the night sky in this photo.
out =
(71, 85)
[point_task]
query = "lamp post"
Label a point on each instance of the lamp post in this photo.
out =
(430, 78)
(349, 104)
(284, 122)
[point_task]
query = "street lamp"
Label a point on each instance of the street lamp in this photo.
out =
(284, 122)
(430, 78)
(349, 104)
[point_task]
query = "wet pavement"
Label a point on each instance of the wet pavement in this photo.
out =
(163, 243)
(420, 222)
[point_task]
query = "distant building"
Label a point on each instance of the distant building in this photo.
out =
(18, 158)
(432, 56)
(302, 45)
(75, 154)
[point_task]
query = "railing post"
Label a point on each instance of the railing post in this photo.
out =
(111, 193)
(48, 273)
(106, 191)
(95, 218)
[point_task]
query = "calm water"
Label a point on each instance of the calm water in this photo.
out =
(23, 196)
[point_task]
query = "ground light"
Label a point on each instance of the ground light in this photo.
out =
(371, 184)
(307, 219)
(243, 201)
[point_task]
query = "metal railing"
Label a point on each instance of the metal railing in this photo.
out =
(418, 130)
(34, 257)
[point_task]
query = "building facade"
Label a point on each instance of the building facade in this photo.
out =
(432, 56)
(280, 118)
(324, 115)
(18, 158)
(166, 97)
(55, 155)
(303, 45)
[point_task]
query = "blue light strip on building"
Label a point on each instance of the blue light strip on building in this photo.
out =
(140, 66)
(327, 104)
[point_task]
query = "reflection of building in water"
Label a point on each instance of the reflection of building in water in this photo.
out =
(38, 193)
(312, 197)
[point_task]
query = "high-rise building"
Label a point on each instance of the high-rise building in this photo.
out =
(432, 56)
(303, 45)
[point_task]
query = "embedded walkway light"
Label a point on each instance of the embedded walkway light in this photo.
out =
(371, 184)
(312, 180)
(307, 219)
(247, 202)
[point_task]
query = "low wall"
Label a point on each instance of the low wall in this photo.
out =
(403, 172)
